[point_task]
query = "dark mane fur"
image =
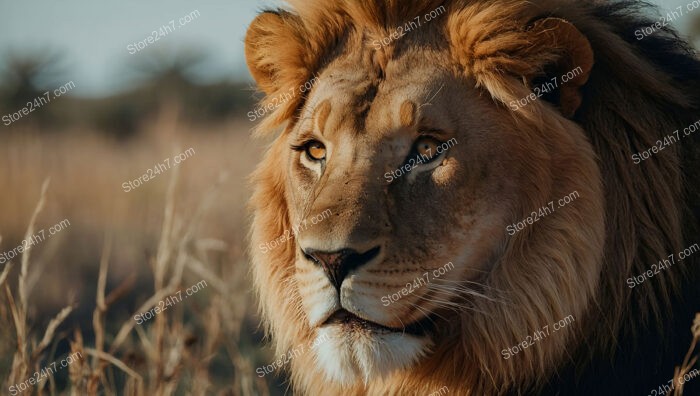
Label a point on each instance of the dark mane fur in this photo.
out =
(643, 360)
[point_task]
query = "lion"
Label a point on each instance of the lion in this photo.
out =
(486, 212)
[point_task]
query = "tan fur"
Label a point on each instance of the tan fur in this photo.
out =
(457, 74)
(321, 115)
(407, 114)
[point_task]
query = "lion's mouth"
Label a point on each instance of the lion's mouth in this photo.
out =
(353, 323)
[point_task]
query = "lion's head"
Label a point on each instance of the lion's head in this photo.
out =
(422, 209)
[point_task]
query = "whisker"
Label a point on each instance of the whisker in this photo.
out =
(464, 290)
(456, 308)
(426, 313)
(480, 285)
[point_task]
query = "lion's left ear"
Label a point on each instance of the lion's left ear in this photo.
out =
(572, 64)
(276, 53)
(284, 52)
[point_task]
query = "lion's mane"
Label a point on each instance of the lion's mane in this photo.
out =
(638, 92)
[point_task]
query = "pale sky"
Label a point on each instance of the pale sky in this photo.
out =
(94, 34)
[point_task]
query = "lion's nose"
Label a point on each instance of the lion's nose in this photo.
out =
(337, 265)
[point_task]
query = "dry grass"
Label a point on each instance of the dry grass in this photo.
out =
(688, 362)
(124, 253)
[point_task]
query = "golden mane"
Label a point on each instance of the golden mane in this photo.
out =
(632, 98)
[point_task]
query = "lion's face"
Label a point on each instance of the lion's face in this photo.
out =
(403, 193)
(399, 173)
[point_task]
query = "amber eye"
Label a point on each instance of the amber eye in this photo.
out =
(316, 150)
(426, 148)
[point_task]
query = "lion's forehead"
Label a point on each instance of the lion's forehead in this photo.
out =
(356, 100)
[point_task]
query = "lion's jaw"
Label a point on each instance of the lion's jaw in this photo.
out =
(347, 356)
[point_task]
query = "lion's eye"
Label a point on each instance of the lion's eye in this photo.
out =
(314, 150)
(427, 148)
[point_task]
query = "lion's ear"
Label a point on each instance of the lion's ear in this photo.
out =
(572, 65)
(276, 53)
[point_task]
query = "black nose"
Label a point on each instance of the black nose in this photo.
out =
(338, 265)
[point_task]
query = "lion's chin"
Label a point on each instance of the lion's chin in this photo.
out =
(347, 355)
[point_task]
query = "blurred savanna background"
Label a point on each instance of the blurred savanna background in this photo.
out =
(174, 109)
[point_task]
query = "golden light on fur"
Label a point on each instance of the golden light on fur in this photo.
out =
(407, 114)
(321, 115)
(453, 78)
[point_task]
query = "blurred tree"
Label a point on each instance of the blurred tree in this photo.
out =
(167, 73)
(25, 77)
(163, 84)
(168, 79)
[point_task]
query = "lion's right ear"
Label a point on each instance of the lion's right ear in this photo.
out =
(276, 52)
(498, 51)
(574, 60)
